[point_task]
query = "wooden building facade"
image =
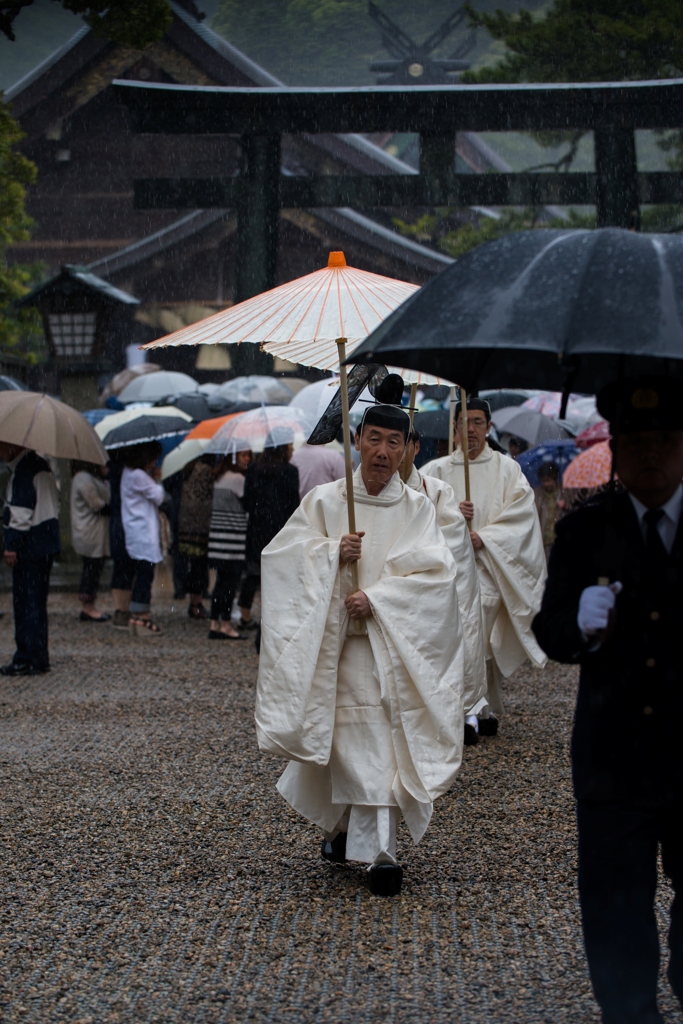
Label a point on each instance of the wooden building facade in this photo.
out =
(180, 265)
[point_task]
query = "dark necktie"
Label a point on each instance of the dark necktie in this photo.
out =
(656, 552)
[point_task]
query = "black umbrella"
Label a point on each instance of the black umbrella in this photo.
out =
(146, 428)
(557, 310)
(195, 404)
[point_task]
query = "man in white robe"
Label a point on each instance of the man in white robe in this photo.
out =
(508, 545)
(362, 688)
(456, 534)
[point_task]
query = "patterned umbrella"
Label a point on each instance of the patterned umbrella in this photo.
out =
(593, 435)
(562, 453)
(591, 468)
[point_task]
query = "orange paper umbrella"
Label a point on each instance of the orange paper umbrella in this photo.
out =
(591, 468)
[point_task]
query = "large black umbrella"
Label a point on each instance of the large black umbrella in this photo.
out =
(557, 310)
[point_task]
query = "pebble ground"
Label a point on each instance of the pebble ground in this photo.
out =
(150, 872)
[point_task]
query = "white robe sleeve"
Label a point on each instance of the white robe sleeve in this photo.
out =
(454, 528)
(513, 553)
(297, 682)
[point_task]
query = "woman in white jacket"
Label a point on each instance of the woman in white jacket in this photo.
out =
(141, 496)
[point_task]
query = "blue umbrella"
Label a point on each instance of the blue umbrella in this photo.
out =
(559, 452)
(94, 416)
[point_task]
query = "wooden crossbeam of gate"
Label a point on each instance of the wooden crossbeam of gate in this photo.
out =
(613, 111)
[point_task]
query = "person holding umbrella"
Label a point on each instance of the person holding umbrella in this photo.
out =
(508, 546)
(454, 528)
(361, 692)
(614, 604)
(31, 542)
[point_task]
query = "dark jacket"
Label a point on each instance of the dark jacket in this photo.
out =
(626, 742)
(31, 513)
(270, 497)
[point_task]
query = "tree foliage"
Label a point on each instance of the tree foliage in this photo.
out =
(573, 41)
(16, 172)
(586, 41)
(133, 23)
(323, 42)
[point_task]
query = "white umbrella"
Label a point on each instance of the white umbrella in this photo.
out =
(315, 399)
(267, 427)
(187, 451)
(254, 388)
(528, 424)
(152, 387)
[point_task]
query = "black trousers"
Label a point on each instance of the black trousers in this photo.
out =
(252, 581)
(228, 575)
(618, 847)
(90, 578)
(123, 573)
(197, 579)
(141, 594)
(30, 587)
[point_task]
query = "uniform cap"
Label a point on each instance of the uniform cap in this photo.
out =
(642, 403)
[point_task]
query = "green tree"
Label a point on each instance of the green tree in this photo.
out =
(573, 41)
(133, 23)
(324, 42)
(586, 41)
(16, 172)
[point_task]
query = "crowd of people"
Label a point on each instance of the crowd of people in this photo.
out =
(385, 646)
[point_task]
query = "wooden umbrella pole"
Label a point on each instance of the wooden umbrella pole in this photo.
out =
(405, 469)
(348, 462)
(464, 442)
(451, 421)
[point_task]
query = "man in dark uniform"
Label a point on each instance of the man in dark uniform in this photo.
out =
(614, 604)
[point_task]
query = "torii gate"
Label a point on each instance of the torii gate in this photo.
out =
(612, 110)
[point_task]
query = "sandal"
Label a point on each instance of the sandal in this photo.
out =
(218, 634)
(144, 628)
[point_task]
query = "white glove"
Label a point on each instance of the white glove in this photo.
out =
(595, 605)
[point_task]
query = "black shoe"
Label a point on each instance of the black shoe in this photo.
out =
(247, 624)
(84, 617)
(21, 668)
(197, 611)
(471, 735)
(335, 850)
(488, 726)
(386, 879)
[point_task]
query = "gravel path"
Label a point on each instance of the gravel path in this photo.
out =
(150, 871)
